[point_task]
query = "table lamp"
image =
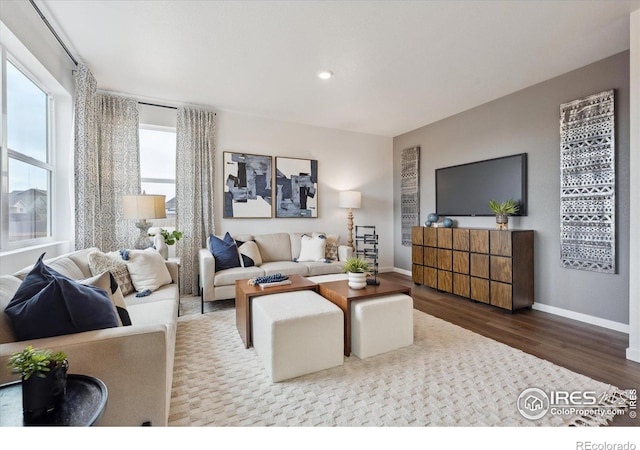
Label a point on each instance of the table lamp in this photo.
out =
(351, 200)
(142, 207)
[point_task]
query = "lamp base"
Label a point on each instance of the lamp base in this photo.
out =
(143, 240)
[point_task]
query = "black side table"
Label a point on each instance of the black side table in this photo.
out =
(83, 404)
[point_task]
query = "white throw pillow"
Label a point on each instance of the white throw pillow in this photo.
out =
(312, 248)
(147, 269)
(250, 254)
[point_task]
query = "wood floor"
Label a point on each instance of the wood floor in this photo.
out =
(593, 351)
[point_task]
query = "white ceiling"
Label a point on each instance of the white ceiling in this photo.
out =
(398, 65)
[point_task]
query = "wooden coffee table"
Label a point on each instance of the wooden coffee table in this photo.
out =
(339, 293)
(245, 292)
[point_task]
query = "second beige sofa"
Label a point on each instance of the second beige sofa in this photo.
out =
(277, 251)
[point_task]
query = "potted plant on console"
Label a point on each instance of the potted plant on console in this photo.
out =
(163, 239)
(44, 380)
(503, 211)
(357, 269)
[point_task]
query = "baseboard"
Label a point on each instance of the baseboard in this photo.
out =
(402, 271)
(610, 324)
(633, 354)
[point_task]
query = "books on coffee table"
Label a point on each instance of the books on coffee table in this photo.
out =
(274, 283)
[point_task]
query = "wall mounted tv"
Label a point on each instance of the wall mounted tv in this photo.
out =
(466, 189)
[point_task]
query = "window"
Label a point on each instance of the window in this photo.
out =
(26, 158)
(158, 166)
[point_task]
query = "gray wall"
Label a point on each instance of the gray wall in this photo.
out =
(528, 122)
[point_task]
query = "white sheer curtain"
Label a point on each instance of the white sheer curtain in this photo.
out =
(107, 165)
(195, 154)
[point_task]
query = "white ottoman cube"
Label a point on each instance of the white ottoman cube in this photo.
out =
(296, 333)
(381, 324)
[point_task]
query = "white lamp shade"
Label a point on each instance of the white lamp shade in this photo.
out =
(144, 206)
(350, 199)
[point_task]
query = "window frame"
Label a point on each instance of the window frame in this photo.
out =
(6, 154)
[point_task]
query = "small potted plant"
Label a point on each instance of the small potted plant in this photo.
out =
(357, 269)
(164, 238)
(44, 379)
(503, 211)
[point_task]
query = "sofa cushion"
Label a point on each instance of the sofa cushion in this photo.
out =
(62, 265)
(66, 266)
(250, 254)
(155, 313)
(243, 237)
(225, 251)
(230, 276)
(322, 268)
(80, 257)
(312, 248)
(147, 269)
(50, 304)
(166, 292)
(274, 247)
(285, 268)
(8, 287)
(295, 239)
(100, 262)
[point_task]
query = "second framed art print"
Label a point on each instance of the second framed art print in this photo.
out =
(247, 186)
(296, 187)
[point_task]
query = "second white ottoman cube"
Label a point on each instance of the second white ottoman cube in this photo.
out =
(296, 333)
(381, 324)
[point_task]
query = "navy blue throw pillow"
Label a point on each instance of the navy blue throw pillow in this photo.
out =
(50, 304)
(224, 251)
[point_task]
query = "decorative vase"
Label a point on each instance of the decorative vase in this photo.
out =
(502, 222)
(357, 280)
(40, 395)
(161, 246)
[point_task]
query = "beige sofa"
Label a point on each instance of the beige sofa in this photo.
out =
(277, 251)
(135, 362)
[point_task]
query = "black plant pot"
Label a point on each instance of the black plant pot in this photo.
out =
(40, 395)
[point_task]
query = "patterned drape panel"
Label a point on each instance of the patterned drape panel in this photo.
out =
(86, 167)
(118, 124)
(106, 165)
(194, 189)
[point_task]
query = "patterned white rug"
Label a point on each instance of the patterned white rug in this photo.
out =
(449, 377)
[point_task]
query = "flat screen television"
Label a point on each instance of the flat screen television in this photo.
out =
(465, 190)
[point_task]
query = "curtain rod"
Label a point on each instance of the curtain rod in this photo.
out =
(159, 106)
(163, 106)
(46, 22)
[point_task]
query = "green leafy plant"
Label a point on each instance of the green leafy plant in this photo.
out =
(356, 265)
(31, 361)
(171, 238)
(508, 207)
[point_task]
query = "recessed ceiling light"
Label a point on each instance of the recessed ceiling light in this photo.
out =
(325, 74)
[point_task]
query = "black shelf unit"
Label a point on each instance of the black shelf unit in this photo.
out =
(367, 249)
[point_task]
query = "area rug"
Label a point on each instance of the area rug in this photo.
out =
(449, 377)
